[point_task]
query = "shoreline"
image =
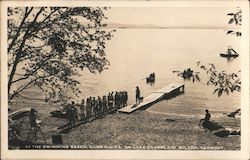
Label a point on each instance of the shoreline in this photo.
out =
(140, 128)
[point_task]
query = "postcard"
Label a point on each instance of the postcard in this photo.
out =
(125, 80)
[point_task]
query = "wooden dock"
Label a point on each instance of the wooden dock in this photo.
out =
(172, 89)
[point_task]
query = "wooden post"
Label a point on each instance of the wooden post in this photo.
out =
(182, 89)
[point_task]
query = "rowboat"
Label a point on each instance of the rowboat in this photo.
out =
(150, 79)
(59, 113)
(21, 113)
(229, 55)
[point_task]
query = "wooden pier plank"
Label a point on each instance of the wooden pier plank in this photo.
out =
(152, 97)
(149, 99)
(169, 88)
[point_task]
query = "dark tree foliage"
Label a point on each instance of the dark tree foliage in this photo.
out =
(222, 81)
(48, 46)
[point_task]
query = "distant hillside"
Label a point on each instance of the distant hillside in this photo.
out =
(150, 26)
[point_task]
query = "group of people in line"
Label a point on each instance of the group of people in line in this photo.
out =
(94, 107)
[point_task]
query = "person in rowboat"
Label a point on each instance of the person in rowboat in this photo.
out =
(152, 75)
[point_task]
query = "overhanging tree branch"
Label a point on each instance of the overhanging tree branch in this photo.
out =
(19, 51)
(27, 12)
(65, 51)
(25, 87)
(35, 70)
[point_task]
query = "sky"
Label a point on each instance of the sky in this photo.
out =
(171, 17)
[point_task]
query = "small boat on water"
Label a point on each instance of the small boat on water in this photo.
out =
(150, 78)
(231, 53)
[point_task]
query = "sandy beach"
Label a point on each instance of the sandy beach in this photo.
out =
(139, 130)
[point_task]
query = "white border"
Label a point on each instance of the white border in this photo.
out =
(131, 154)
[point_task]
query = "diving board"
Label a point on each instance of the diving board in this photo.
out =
(173, 88)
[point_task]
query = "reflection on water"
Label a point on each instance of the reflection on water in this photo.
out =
(135, 53)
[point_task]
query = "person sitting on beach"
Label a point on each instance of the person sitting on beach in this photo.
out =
(207, 117)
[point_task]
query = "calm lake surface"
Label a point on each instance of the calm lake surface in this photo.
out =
(135, 53)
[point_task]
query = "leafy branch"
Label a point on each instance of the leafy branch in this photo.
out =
(235, 18)
(48, 46)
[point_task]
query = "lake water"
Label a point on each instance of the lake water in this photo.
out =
(135, 53)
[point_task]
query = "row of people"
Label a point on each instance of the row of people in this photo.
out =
(94, 107)
(71, 113)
